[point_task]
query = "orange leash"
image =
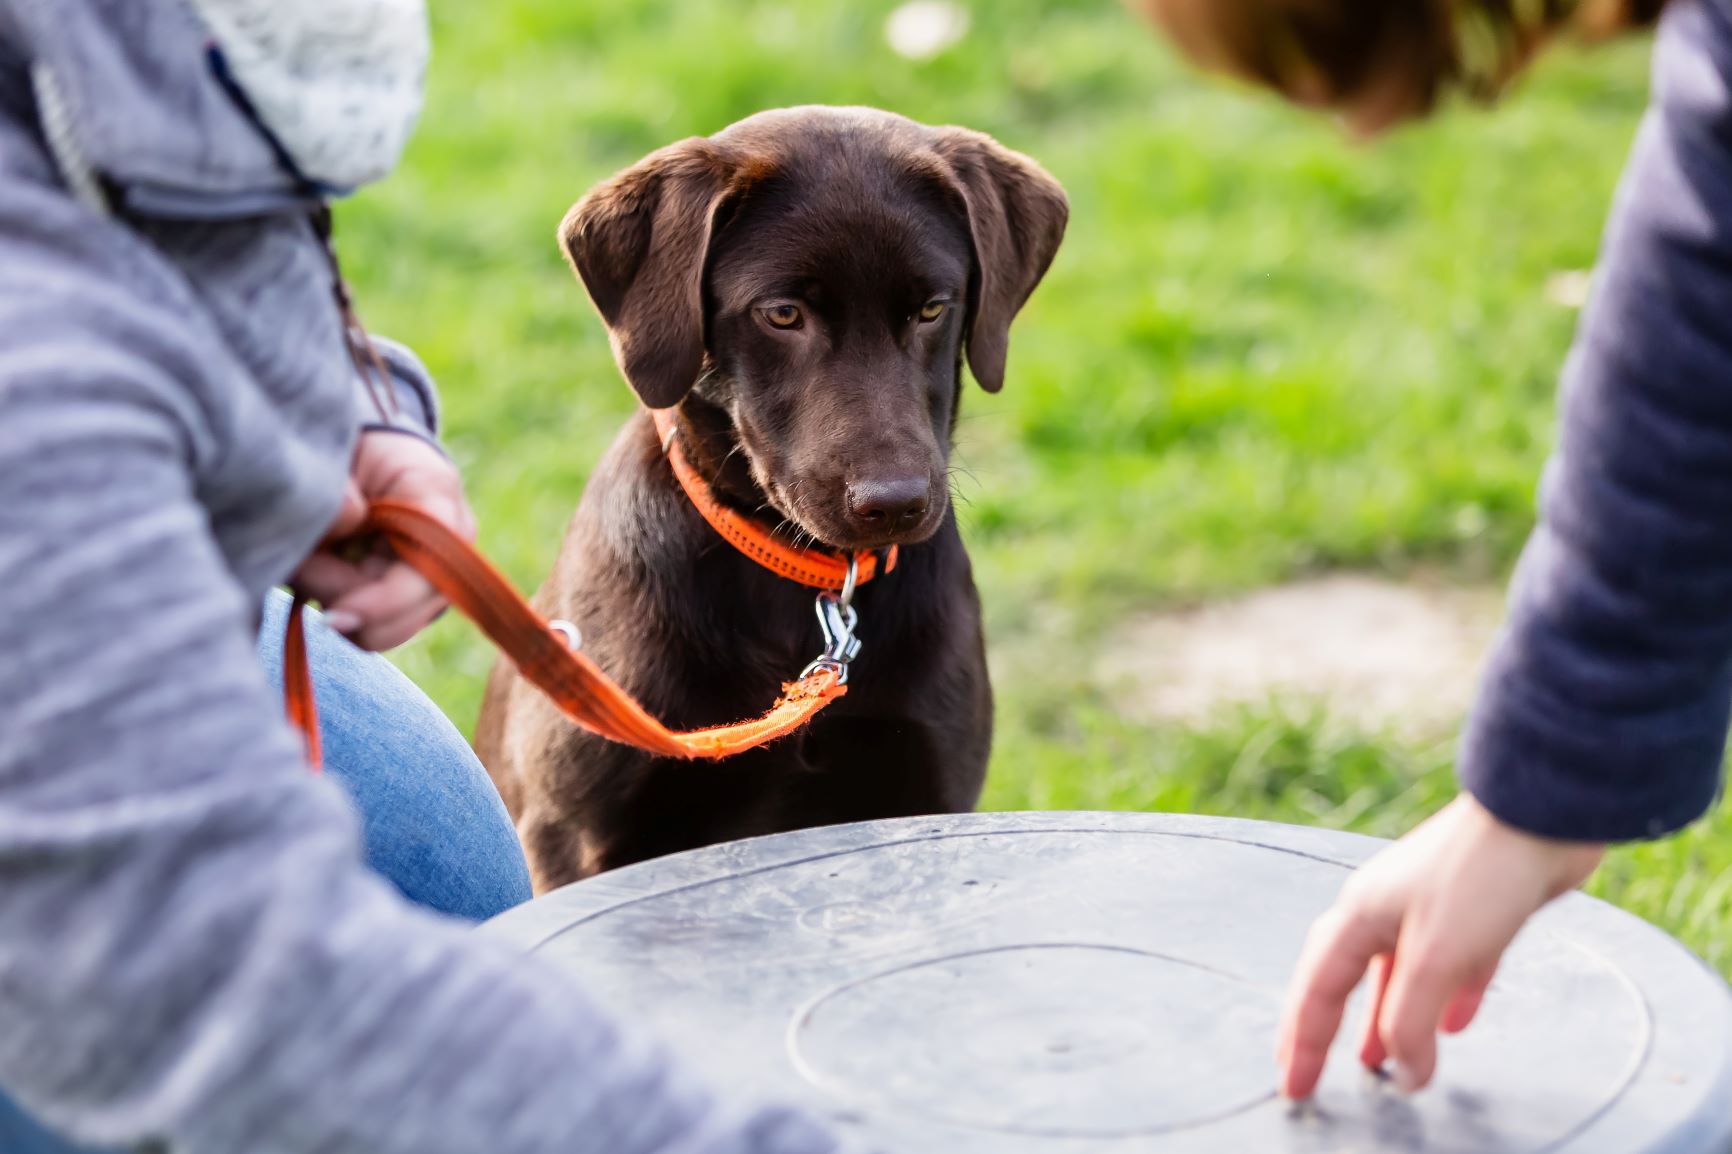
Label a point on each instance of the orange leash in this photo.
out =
(545, 651)
(544, 656)
(298, 686)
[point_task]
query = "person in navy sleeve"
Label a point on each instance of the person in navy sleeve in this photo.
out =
(1603, 713)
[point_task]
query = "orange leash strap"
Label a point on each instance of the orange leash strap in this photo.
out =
(298, 686)
(572, 681)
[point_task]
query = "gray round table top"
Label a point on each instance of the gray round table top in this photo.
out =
(1064, 983)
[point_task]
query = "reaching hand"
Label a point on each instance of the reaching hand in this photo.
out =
(1430, 916)
(374, 599)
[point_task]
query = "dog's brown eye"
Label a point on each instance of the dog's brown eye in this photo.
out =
(931, 311)
(783, 316)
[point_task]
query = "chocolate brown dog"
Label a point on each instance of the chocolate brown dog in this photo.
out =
(803, 287)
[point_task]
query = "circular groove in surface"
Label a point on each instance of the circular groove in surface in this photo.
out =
(1056, 1039)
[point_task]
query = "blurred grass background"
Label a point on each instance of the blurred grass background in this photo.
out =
(1264, 351)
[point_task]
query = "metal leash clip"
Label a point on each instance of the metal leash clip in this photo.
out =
(837, 618)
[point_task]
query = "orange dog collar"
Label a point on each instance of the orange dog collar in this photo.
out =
(817, 568)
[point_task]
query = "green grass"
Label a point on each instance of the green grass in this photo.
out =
(1263, 351)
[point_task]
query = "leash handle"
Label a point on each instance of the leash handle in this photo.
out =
(303, 707)
(574, 683)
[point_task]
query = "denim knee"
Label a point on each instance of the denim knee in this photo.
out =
(432, 821)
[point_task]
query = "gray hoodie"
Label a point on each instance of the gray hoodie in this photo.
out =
(191, 951)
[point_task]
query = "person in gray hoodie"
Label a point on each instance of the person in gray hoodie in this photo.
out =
(195, 954)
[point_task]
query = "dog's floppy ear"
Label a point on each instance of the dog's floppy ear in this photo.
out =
(640, 242)
(1017, 214)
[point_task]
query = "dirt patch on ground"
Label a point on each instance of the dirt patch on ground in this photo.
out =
(1377, 654)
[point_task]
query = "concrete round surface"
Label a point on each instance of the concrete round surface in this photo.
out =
(1109, 983)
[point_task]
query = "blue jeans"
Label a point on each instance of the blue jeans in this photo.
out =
(431, 820)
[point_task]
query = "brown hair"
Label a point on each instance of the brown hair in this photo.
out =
(1399, 55)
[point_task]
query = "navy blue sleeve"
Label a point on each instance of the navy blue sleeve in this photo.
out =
(1603, 715)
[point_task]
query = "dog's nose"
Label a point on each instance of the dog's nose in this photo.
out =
(896, 503)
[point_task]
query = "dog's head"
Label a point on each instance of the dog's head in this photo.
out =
(817, 274)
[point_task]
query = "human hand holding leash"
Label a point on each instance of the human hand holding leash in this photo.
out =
(1430, 917)
(368, 594)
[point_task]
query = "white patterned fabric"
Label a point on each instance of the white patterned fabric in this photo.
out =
(337, 82)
